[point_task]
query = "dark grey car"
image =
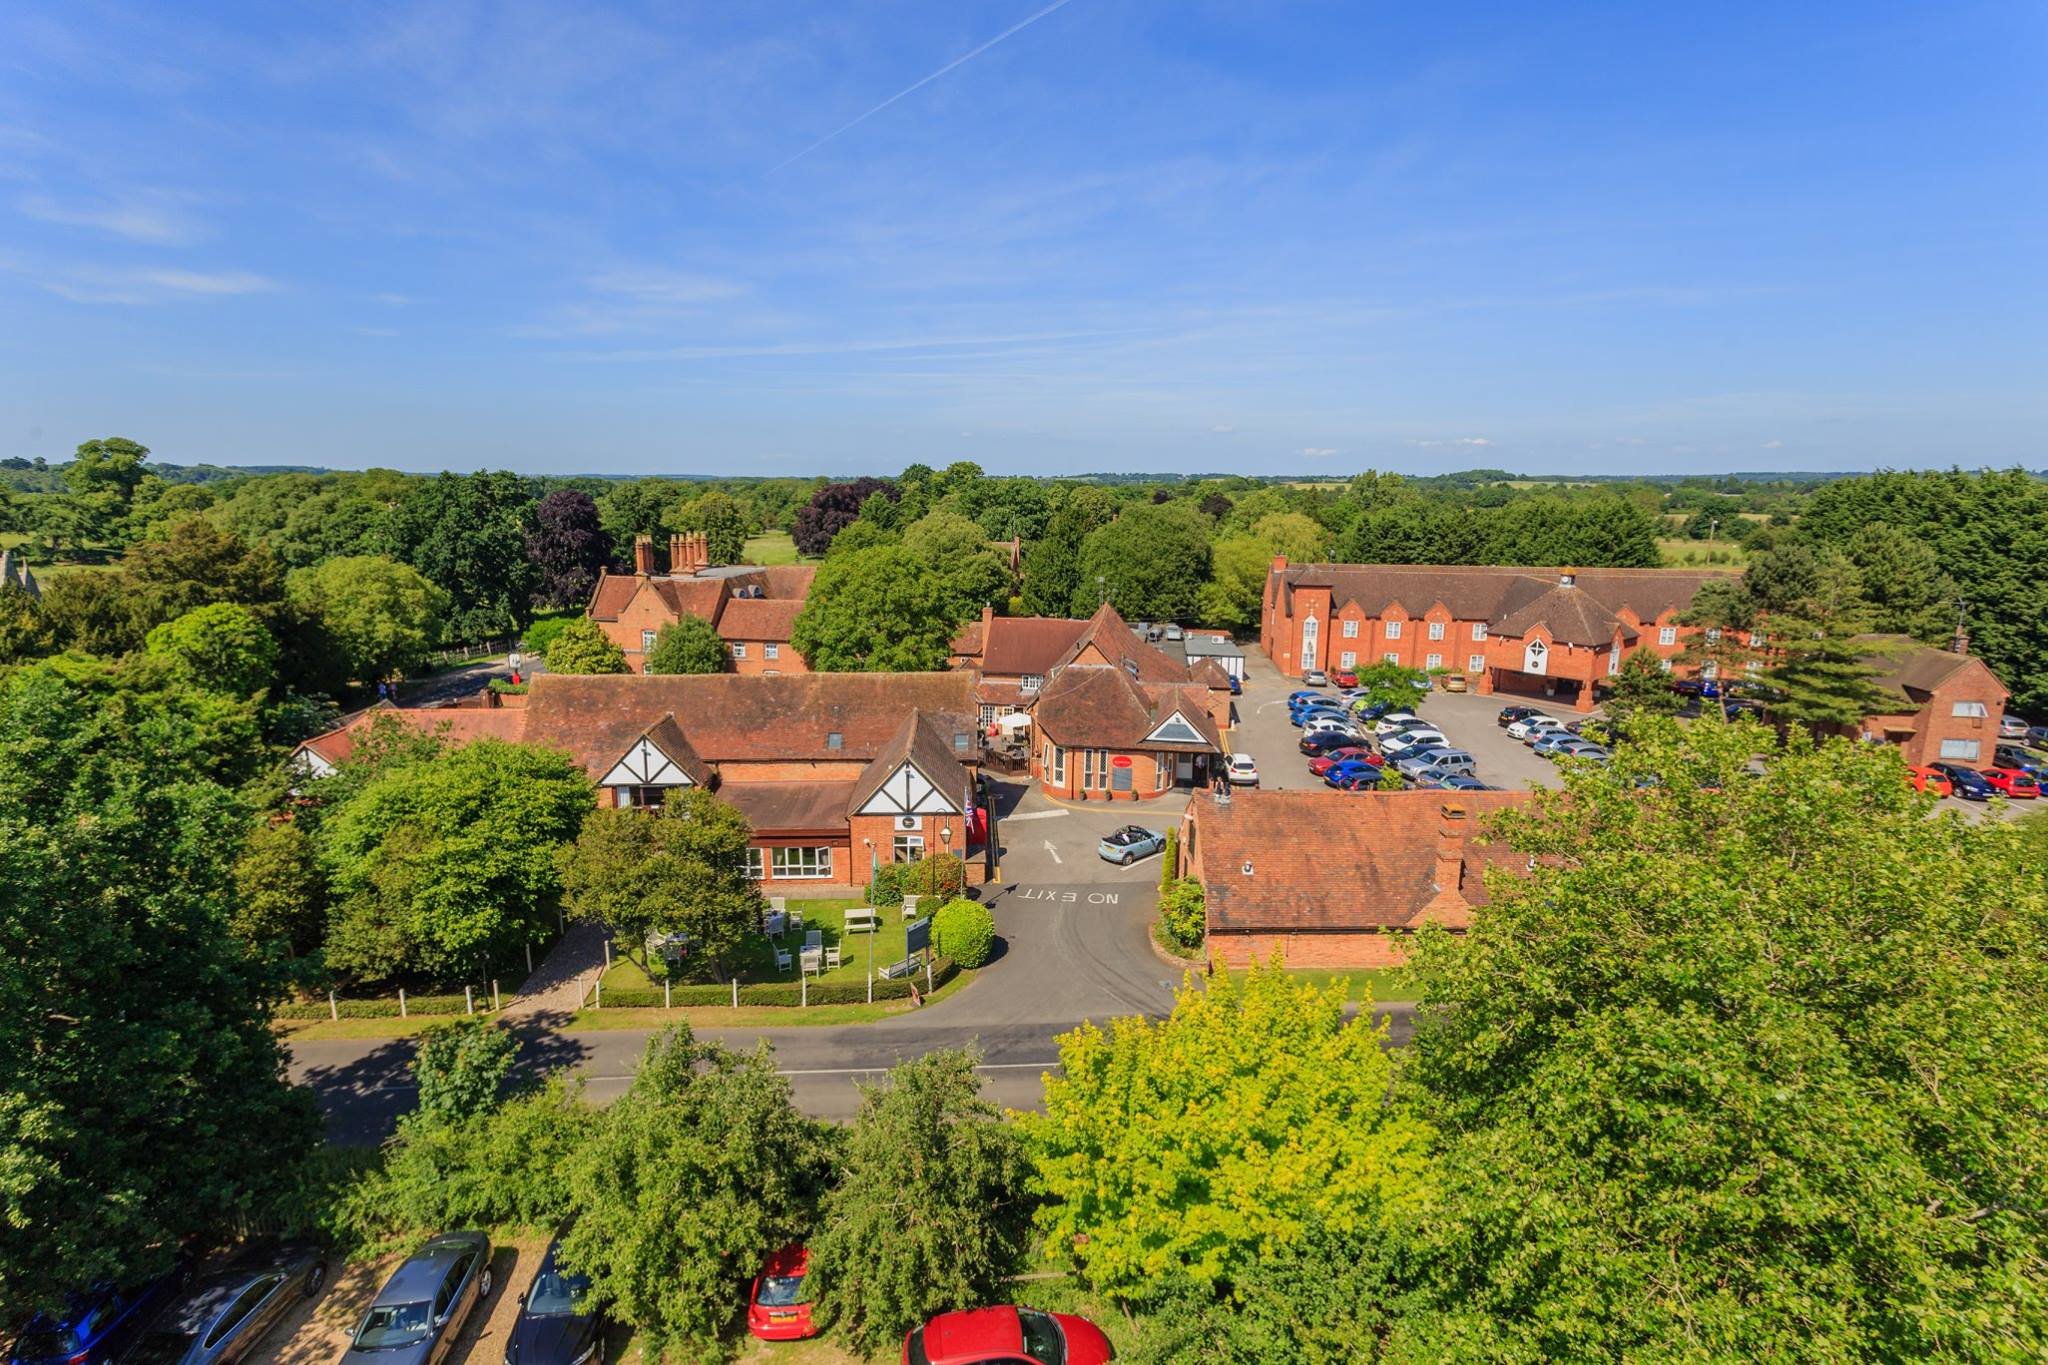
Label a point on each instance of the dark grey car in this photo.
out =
(420, 1310)
(227, 1311)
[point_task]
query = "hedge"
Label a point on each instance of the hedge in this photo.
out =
(783, 994)
(381, 1008)
(965, 931)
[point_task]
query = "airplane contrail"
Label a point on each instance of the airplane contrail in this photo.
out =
(908, 90)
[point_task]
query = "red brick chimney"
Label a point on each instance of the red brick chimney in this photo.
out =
(688, 553)
(1450, 849)
(1961, 643)
(643, 554)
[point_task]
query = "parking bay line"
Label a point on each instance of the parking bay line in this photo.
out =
(1036, 815)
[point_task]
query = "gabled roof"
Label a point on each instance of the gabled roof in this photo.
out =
(1111, 637)
(1495, 593)
(1387, 848)
(1100, 706)
(758, 618)
(1914, 670)
(925, 747)
(1570, 615)
(457, 724)
(791, 807)
(711, 593)
(1016, 646)
(668, 737)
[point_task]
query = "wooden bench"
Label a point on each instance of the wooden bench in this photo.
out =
(896, 970)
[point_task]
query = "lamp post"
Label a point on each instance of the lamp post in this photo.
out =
(874, 930)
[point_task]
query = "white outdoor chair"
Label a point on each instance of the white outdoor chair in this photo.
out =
(782, 959)
(910, 906)
(831, 959)
(814, 959)
(778, 903)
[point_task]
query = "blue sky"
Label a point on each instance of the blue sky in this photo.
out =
(1130, 234)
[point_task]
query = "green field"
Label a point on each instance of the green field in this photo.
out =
(1678, 553)
(773, 547)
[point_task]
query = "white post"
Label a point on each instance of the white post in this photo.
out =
(928, 986)
(529, 959)
(599, 999)
(607, 954)
(664, 993)
(468, 1001)
(735, 992)
(401, 1002)
(333, 1010)
(494, 993)
(803, 986)
(871, 983)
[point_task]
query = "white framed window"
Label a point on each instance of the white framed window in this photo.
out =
(1392, 656)
(1351, 630)
(646, 640)
(1479, 630)
(739, 651)
(1162, 772)
(1348, 659)
(1756, 639)
(1710, 670)
(639, 798)
(908, 848)
(1667, 635)
(801, 864)
(1713, 635)
(756, 865)
(771, 651)
(1056, 764)
(1311, 632)
(1088, 768)
(1965, 749)
(1475, 663)
(1665, 664)
(1392, 630)
(1974, 709)
(1434, 661)
(1436, 630)
(1031, 682)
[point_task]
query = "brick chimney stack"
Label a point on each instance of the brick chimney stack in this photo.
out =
(643, 554)
(688, 553)
(1450, 849)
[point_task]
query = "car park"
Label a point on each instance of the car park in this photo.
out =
(1315, 677)
(1929, 780)
(1324, 762)
(1463, 782)
(1407, 741)
(1394, 720)
(556, 1325)
(1510, 714)
(1536, 727)
(1353, 774)
(1324, 741)
(1344, 677)
(1006, 1336)
(1966, 783)
(2031, 762)
(2011, 727)
(2013, 783)
(779, 1304)
(1131, 843)
(97, 1326)
(420, 1310)
(1547, 743)
(226, 1312)
(1243, 770)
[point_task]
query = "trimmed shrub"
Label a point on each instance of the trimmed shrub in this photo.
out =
(941, 875)
(542, 633)
(1182, 910)
(965, 931)
(383, 1008)
(780, 994)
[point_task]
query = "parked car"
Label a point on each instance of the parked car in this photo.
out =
(1175, 633)
(1407, 741)
(1454, 682)
(1446, 757)
(1324, 762)
(1131, 843)
(1323, 741)
(1333, 725)
(1464, 782)
(1243, 770)
(779, 1305)
(1548, 741)
(1536, 727)
(1344, 677)
(1315, 677)
(1582, 748)
(2028, 761)
(555, 1325)
(98, 1325)
(1394, 720)
(1510, 714)
(226, 1312)
(2011, 727)
(420, 1310)
(2013, 783)
(1929, 780)
(2037, 734)
(1236, 684)
(1006, 1336)
(1354, 775)
(1967, 783)
(1296, 698)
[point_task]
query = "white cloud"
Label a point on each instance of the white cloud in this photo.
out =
(1774, 445)
(137, 218)
(666, 286)
(136, 287)
(391, 300)
(1317, 452)
(202, 282)
(1222, 430)
(1455, 441)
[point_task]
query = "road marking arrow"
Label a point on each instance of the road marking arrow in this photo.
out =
(1049, 848)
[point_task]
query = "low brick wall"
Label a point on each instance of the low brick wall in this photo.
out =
(1333, 950)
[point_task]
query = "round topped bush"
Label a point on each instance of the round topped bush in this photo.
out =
(965, 931)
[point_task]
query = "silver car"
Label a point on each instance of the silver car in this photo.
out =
(226, 1312)
(420, 1310)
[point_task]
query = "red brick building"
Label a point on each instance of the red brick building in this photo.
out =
(836, 771)
(1950, 702)
(1338, 880)
(752, 608)
(1112, 718)
(1011, 657)
(1535, 632)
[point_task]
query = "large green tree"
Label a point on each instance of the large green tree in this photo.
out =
(142, 1094)
(467, 534)
(382, 616)
(222, 648)
(681, 872)
(1724, 1074)
(1194, 1145)
(930, 1210)
(1641, 687)
(1150, 563)
(971, 575)
(440, 869)
(583, 647)
(701, 1169)
(880, 610)
(689, 644)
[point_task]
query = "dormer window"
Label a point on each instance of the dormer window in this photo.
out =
(1031, 682)
(959, 741)
(835, 740)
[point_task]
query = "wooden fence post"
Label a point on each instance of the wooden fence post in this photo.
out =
(333, 1010)
(664, 994)
(928, 986)
(607, 954)
(468, 1001)
(529, 959)
(871, 985)
(599, 998)
(494, 993)
(735, 992)
(401, 1002)
(803, 999)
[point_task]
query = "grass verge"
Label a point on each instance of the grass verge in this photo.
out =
(1385, 983)
(755, 1016)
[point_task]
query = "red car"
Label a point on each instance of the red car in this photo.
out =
(1343, 677)
(2013, 782)
(1006, 1336)
(779, 1306)
(1928, 780)
(1324, 762)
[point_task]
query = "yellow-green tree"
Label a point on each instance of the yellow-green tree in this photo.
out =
(1196, 1145)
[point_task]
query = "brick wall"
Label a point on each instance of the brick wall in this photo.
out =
(1335, 950)
(645, 612)
(1145, 783)
(757, 660)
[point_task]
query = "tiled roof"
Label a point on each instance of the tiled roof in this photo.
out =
(791, 807)
(732, 717)
(710, 594)
(1493, 593)
(1100, 706)
(611, 595)
(926, 745)
(758, 618)
(457, 724)
(1910, 668)
(1336, 860)
(1119, 644)
(668, 737)
(698, 597)
(1569, 614)
(1017, 645)
(968, 643)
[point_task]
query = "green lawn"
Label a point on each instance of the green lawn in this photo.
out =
(1384, 982)
(1679, 553)
(772, 547)
(757, 957)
